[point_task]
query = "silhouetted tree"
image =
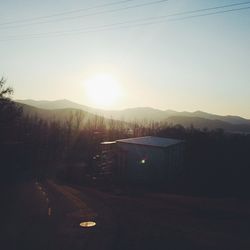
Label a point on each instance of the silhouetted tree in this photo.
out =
(9, 112)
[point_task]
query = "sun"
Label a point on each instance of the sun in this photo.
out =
(102, 90)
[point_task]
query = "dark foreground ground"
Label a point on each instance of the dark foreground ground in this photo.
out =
(138, 221)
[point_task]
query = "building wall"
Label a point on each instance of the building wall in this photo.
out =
(174, 160)
(149, 164)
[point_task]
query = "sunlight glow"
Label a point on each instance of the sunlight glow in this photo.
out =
(102, 90)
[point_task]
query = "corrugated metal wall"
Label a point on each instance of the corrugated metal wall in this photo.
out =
(149, 164)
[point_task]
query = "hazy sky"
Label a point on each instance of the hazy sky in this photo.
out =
(200, 63)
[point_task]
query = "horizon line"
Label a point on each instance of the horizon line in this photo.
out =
(136, 107)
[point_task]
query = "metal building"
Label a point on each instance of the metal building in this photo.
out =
(143, 159)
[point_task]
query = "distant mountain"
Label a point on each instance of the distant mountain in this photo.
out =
(58, 104)
(61, 115)
(137, 114)
(199, 122)
(227, 118)
(198, 119)
(202, 123)
(126, 114)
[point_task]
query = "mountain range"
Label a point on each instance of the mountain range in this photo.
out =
(198, 119)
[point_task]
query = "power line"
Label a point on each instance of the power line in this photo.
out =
(88, 15)
(65, 13)
(122, 26)
(211, 13)
(153, 19)
(160, 17)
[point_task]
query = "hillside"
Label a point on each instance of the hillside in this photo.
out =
(50, 105)
(60, 109)
(203, 123)
(61, 115)
(131, 114)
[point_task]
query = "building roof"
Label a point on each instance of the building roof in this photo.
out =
(151, 141)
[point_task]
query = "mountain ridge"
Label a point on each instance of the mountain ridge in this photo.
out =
(62, 113)
(137, 113)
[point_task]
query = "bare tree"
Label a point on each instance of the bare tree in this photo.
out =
(5, 92)
(9, 111)
(79, 117)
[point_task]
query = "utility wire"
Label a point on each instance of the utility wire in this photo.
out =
(211, 13)
(146, 23)
(152, 18)
(88, 15)
(148, 20)
(65, 13)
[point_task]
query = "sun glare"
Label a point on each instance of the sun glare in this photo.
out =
(102, 90)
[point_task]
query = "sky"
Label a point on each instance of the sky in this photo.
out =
(179, 63)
